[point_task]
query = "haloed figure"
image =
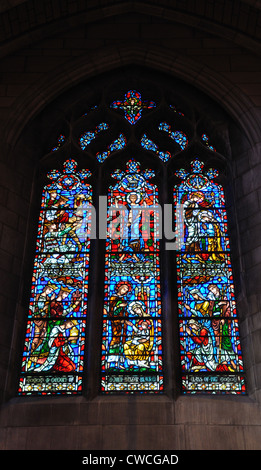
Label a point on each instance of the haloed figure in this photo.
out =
(139, 345)
(60, 357)
(132, 238)
(117, 313)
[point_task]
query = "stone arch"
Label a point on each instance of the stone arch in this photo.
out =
(233, 100)
(27, 107)
(218, 20)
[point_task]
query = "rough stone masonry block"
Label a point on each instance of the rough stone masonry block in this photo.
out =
(202, 437)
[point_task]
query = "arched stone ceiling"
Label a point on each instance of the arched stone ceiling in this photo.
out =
(25, 21)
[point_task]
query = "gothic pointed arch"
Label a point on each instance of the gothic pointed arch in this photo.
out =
(141, 135)
(59, 81)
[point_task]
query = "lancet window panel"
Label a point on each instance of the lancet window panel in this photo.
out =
(132, 322)
(53, 357)
(210, 350)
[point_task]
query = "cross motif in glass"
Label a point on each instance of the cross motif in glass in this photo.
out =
(133, 106)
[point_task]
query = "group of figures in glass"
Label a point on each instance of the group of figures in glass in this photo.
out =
(211, 355)
(132, 331)
(55, 337)
(131, 344)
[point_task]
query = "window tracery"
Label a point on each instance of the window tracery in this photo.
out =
(133, 106)
(132, 357)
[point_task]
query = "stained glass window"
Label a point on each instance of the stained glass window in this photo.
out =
(178, 136)
(148, 144)
(87, 137)
(117, 144)
(60, 142)
(132, 331)
(131, 336)
(55, 333)
(211, 357)
(176, 110)
(205, 140)
(133, 106)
